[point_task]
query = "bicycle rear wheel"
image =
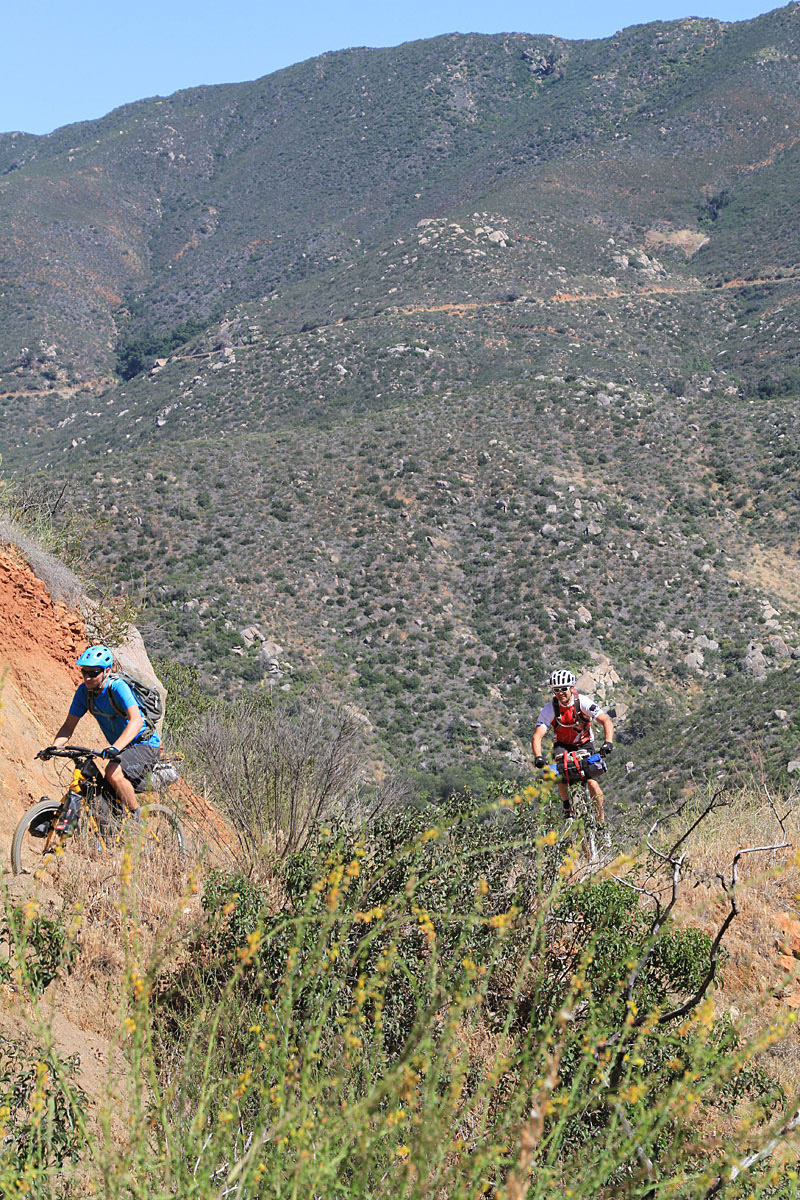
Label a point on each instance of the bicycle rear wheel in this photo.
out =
(160, 839)
(29, 849)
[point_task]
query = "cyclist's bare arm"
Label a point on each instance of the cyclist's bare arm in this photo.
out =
(537, 739)
(66, 731)
(132, 729)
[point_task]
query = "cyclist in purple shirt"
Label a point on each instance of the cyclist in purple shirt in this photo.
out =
(133, 746)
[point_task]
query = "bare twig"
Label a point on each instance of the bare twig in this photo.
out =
(729, 885)
(644, 1161)
(731, 1173)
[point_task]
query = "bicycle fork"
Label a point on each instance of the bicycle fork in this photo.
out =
(67, 818)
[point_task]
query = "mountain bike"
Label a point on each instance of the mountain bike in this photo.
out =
(576, 769)
(91, 817)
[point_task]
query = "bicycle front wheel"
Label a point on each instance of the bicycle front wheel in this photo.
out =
(34, 837)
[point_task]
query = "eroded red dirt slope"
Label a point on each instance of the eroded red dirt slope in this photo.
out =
(39, 642)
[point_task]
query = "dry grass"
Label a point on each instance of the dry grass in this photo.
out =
(754, 987)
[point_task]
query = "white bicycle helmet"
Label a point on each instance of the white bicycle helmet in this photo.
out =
(562, 679)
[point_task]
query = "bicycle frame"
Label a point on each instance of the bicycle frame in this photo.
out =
(87, 781)
(583, 810)
(583, 806)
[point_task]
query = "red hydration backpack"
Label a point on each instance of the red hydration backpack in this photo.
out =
(570, 726)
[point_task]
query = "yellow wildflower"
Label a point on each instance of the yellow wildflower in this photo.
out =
(247, 953)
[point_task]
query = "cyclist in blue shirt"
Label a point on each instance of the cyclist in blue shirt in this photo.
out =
(133, 745)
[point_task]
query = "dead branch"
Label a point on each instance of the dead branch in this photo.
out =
(621, 1036)
(736, 1169)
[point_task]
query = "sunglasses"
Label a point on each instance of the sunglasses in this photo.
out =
(91, 672)
(561, 691)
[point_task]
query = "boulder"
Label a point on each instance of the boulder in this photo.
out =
(789, 939)
(599, 680)
(779, 647)
(252, 634)
(754, 662)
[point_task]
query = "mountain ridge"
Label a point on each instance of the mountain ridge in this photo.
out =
(440, 365)
(183, 146)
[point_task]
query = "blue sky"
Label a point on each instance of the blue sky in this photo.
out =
(74, 61)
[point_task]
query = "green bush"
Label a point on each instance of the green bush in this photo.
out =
(42, 1119)
(40, 948)
(438, 1002)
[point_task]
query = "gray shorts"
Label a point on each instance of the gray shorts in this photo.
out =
(137, 761)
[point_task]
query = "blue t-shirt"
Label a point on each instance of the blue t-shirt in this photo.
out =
(111, 723)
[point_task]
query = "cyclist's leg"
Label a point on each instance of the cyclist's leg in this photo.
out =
(129, 770)
(122, 786)
(596, 792)
(563, 787)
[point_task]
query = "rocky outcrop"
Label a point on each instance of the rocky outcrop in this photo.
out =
(131, 656)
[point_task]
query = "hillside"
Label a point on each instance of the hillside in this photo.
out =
(41, 638)
(441, 364)
(117, 987)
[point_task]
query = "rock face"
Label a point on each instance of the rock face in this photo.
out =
(599, 680)
(40, 638)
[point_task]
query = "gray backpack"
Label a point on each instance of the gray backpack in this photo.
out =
(148, 698)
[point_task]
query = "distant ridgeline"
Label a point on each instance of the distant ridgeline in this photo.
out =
(438, 365)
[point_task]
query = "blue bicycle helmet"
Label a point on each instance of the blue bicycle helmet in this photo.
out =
(96, 656)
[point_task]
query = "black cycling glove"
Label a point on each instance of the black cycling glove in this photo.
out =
(538, 761)
(606, 749)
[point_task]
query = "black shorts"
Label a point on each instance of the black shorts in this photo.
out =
(137, 761)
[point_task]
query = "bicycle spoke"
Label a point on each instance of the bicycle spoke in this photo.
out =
(158, 841)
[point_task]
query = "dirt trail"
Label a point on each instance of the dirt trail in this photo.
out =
(608, 294)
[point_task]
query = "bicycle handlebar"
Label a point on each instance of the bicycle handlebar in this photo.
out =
(73, 752)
